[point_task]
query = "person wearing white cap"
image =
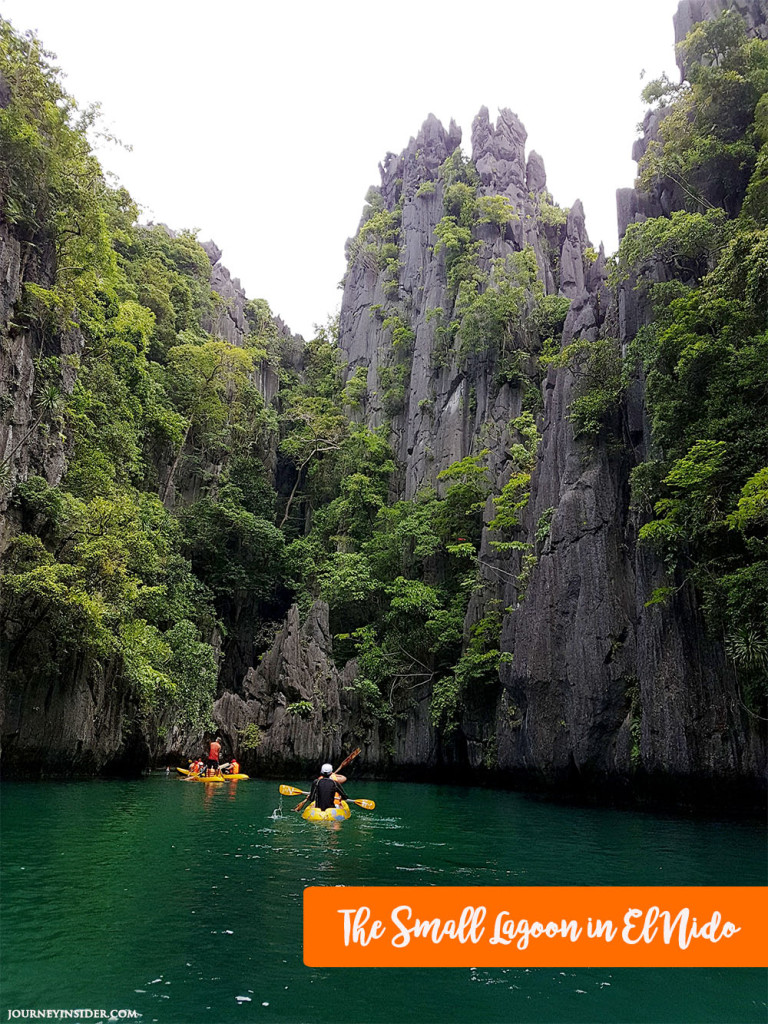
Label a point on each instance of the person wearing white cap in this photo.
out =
(325, 788)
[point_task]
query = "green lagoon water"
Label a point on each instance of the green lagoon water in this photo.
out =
(184, 902)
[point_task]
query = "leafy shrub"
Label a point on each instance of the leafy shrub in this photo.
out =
(301, 708)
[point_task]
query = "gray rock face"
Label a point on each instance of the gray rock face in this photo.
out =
(446, 405)
(690, 12)
(558, 668)
(600, 689)
(601, 686)
(535, 175)
(228, 321)
(299, 670)
(29, 442)
(84, 722)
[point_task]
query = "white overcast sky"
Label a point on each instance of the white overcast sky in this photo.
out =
(261, 124)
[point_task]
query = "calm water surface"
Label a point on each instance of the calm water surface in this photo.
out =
(184, 902)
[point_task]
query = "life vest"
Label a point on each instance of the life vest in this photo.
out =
(234, 767)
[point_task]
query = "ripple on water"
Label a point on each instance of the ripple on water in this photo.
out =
(124, 868)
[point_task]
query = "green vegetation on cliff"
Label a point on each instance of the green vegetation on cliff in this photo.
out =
(108, 568)
(704, 357)
(194, 509)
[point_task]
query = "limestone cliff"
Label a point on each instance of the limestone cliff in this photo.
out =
(565, 699)
(83, 718)
(600, 691)
(689, 12)
(597, 689)
(30, 438)
(296, 706)
(446, 404)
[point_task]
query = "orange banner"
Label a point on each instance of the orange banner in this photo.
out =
(527, 926)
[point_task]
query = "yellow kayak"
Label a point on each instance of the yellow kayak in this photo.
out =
(339, 812)
(212, 778)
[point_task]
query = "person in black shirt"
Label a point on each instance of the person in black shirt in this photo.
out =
(325, 788)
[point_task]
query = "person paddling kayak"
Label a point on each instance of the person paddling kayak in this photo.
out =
(325, 788)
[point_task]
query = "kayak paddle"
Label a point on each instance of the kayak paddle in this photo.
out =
(343, 764)
(369, 805)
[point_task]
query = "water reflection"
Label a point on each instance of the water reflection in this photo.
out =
(175, 902)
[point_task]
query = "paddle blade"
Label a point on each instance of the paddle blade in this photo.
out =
(292, 791)
(347, 760)
(369, 805)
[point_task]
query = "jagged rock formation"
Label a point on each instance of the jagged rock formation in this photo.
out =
(689, 12)
(299, 667)
(444, 410)
(228, 320)
(573, 638)
(600, 689)
(24, 447)
(85, 721)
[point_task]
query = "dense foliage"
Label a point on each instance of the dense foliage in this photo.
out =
(166, 528)
(116, 566)
(193, 510)
(705, 354)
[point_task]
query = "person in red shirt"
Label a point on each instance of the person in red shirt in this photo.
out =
(213, 755)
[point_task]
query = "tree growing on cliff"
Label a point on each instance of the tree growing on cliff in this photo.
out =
(202, 377)
(708, 144)
(705, 354)
(95, 584)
